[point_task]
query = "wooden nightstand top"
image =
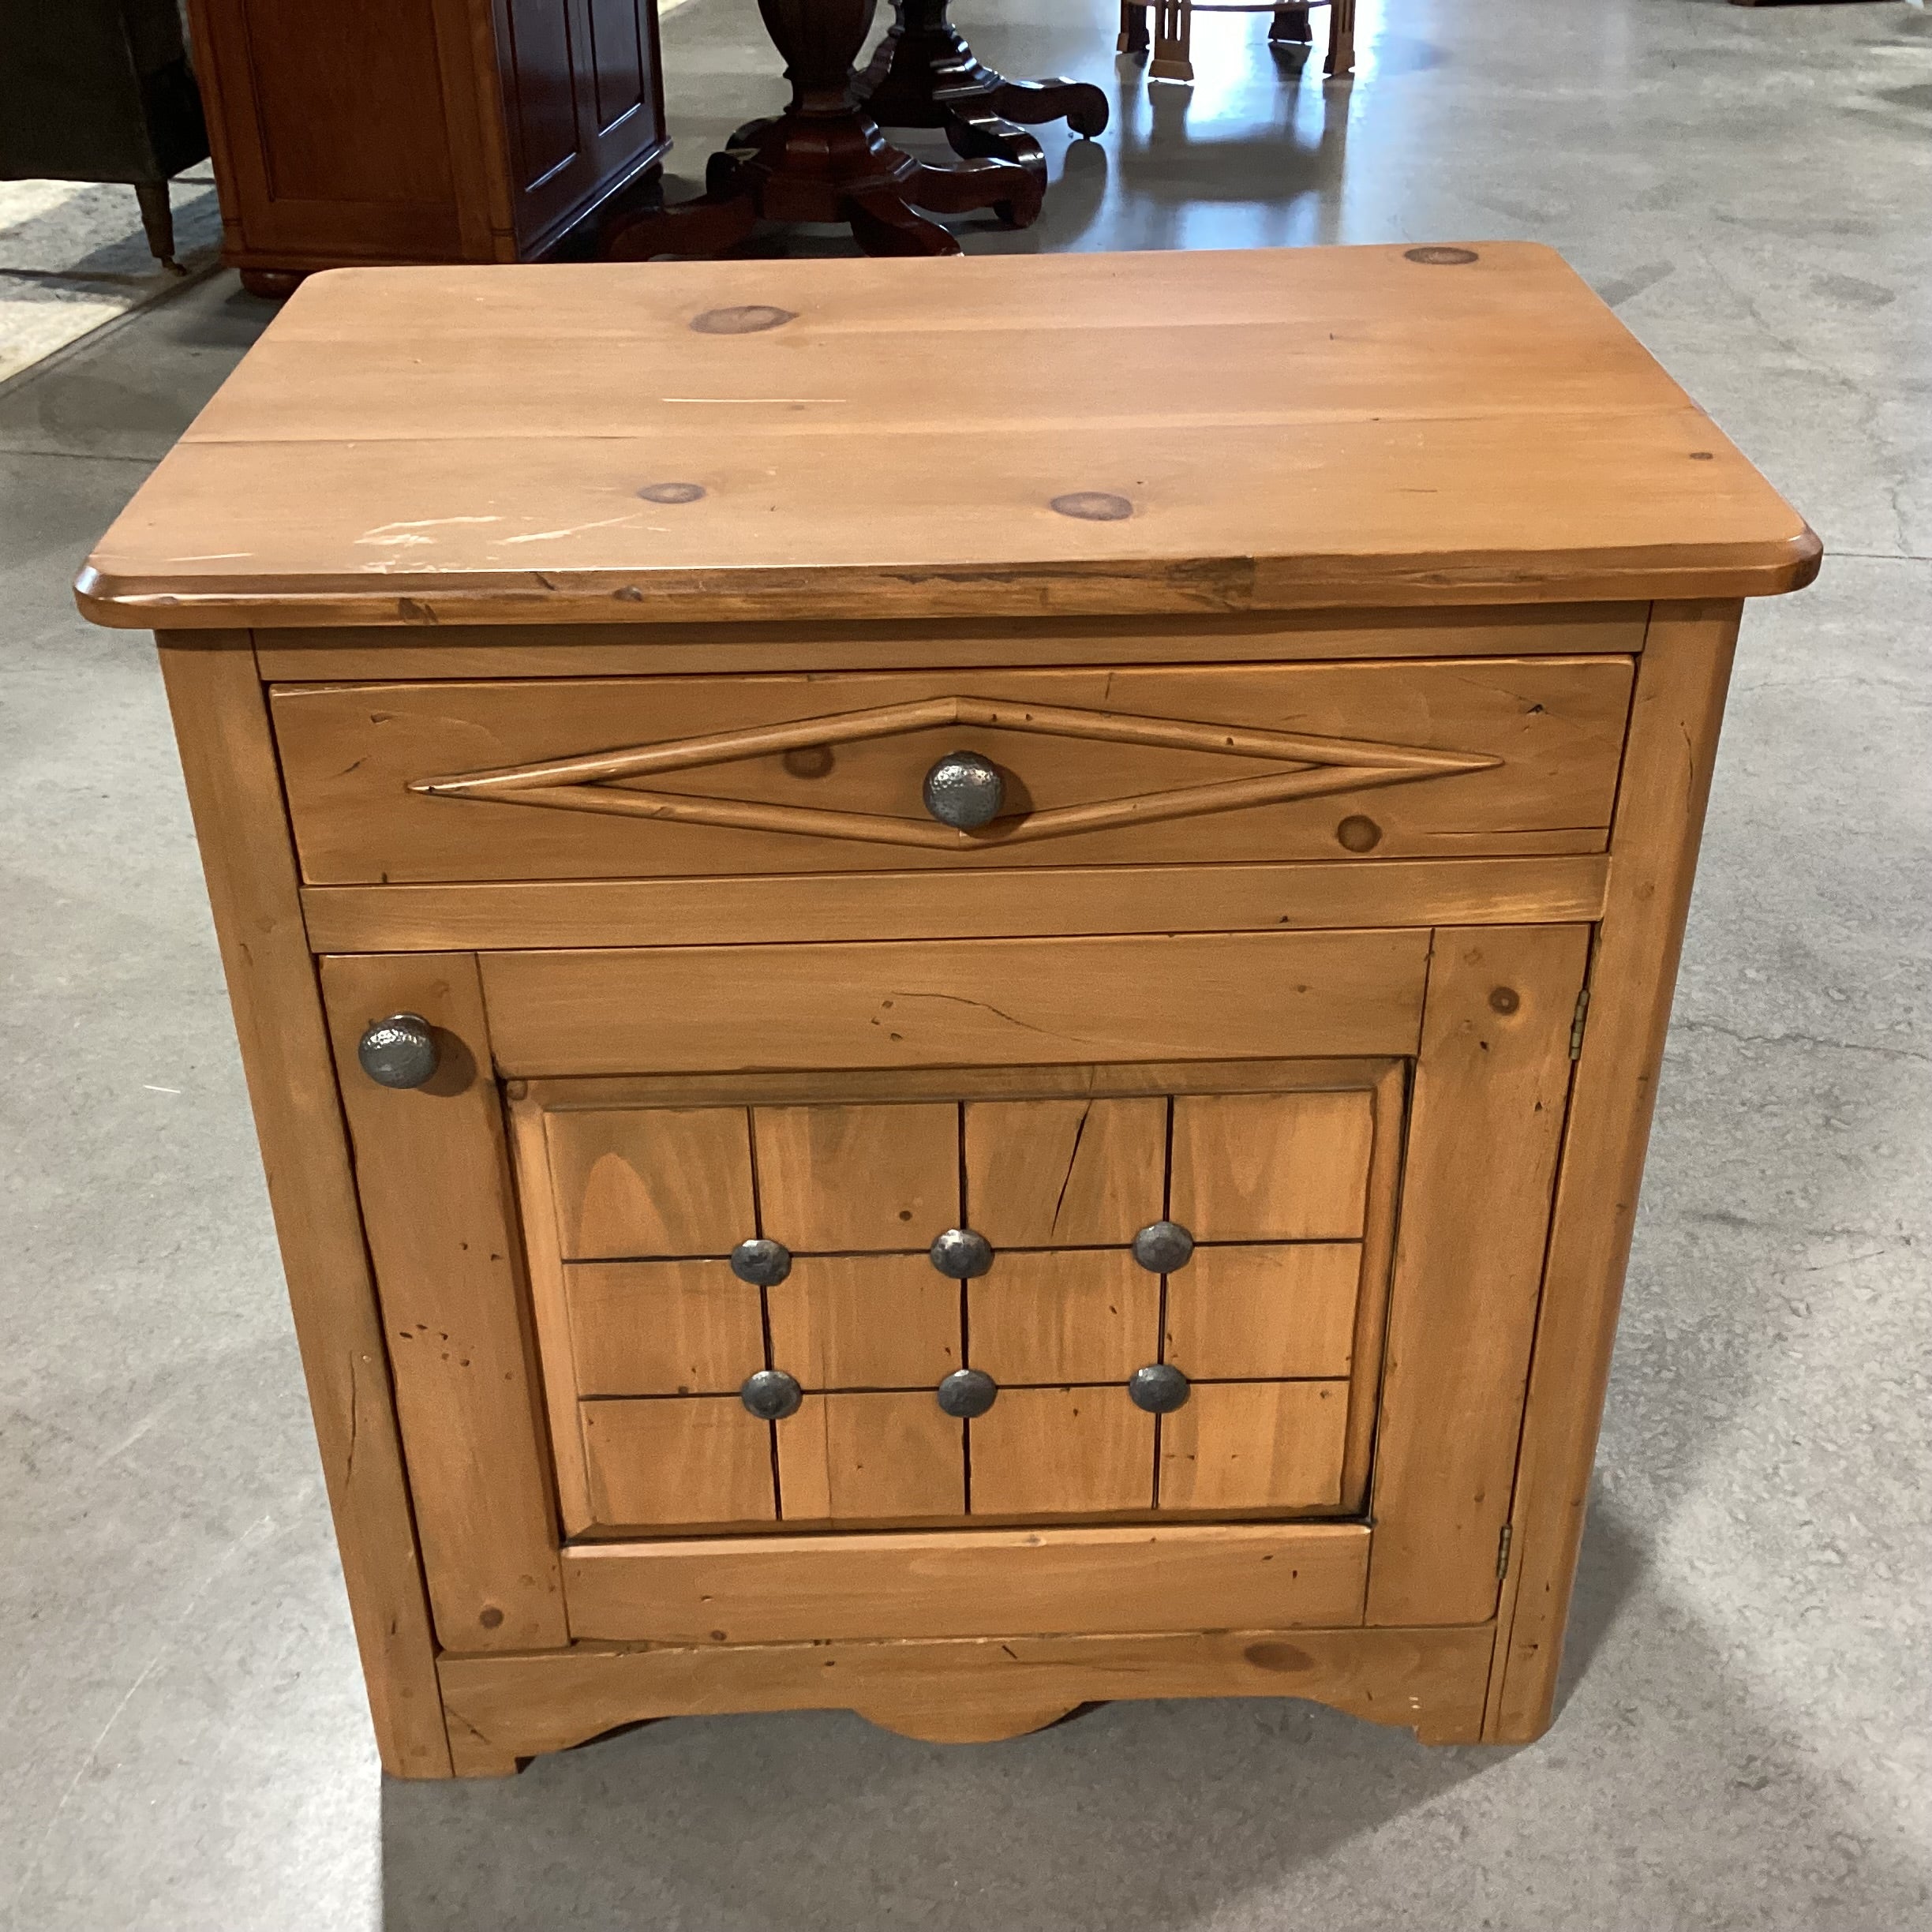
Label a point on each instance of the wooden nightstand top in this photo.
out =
(1185, 433)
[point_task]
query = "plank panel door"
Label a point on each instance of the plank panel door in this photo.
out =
(580, 86)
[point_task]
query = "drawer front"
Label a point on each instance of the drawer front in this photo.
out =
(635, 778)
(1026, 1385)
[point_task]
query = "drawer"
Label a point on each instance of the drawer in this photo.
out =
(640, 777)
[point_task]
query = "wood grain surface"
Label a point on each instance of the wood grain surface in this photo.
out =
(964, 1690)
(234, 790)
(1340, 426)
(992, 1002)
(968, 1582)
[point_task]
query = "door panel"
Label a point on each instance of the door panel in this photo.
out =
(1078, 1315)
(882, 1457)
(683, 1460)
(866, 1321)
(865, 1177)
(1045, 1174)
(645, 1366)
(662, 1328)
(1271, 1167)
(1254, 1446)
(1061, 1452)
(1287, 1311)
(668, 1181)
(581, 97)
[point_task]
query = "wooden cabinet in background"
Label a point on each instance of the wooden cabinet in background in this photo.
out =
(361, 131)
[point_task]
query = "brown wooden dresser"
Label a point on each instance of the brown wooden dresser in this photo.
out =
(351, 131)
(951, 1062)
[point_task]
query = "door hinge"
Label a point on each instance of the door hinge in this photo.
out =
(1502, 1544)
(1577, 1023)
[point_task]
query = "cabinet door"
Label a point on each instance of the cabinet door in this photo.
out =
(582, 99)
(1333, 1326)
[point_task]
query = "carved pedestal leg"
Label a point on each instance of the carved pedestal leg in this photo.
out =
(824, 159)
(925, 75)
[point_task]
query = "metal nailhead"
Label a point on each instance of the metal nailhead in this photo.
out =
(771, 1394)
(400, 1051)
(1163, 1247)
(962, 1254)
(968, 1392)
(764, 1263)
(1159, 1389)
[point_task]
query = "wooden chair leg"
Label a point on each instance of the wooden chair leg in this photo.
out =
(158, 221)
(1342, 39)
(1133, 30)
(1174, 28)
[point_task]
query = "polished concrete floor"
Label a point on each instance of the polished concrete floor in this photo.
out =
(1746, 1737)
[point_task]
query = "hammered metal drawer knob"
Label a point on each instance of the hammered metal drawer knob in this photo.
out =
(771, 1394)
(962, 1254)
(968, 1392)
(400, 1051)
(965, 791)
(763, 1263)
(1163, 1247)
(1160, 1389)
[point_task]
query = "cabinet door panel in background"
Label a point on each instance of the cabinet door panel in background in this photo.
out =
(580, 93)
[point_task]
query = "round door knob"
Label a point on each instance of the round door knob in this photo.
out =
(962, 1254)
(400, 1051)
(968, 1392)
(771, 1394)
(763, 1263)
(1159, 1389)
(1163, 1247)
(964, 791)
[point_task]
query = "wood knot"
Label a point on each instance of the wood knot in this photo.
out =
(748, 319)
(672, 492)
(1093, 506)
(1505, 1000)
(491, 1618)
(1278, 1656)
(1358, 834)
(1440, 258)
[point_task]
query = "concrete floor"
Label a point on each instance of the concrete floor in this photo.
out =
(1745, 1739)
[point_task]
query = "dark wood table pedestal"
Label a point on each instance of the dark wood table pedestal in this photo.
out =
(924, 75)
(824, 159)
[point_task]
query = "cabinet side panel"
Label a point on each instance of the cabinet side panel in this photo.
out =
(334, 130)
(234, 790)
(1673, 746)
(433, 1175)
(1490, 1085)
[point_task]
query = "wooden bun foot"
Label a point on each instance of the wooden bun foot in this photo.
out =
(272, 284)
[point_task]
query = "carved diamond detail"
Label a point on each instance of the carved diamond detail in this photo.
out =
(607, 781)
